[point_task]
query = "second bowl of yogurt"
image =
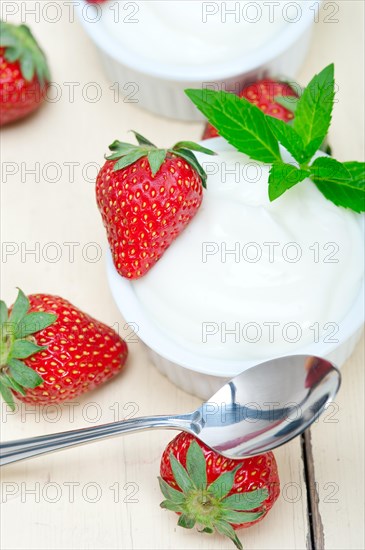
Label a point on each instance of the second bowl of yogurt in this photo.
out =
(249, 280)
(155, 49)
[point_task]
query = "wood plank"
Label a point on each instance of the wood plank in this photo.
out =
(337, 443)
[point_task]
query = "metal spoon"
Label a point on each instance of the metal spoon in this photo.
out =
(260, 409)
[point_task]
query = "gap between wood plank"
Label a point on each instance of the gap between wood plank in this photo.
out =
(315, 526)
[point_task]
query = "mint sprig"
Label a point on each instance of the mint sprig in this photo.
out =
(16, 343)
(258, 135)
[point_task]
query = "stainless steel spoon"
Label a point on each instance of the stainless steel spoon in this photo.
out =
(260, 409)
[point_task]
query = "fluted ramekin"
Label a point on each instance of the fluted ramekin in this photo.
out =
(160, 89)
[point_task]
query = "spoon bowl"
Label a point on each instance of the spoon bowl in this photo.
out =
(258, 410)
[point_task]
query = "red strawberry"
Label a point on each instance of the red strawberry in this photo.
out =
(24, 73)
(146, 197)
(52, 352)
(214, 492)
(263, 94)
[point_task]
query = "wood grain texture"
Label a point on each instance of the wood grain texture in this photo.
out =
(105, 495)
(337, 442)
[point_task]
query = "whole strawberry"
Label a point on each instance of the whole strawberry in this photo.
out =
(146, 197)
(52, 352)
(266, 95)
(213, 492)
(24, 74)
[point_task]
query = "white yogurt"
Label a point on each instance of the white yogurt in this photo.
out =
(192, 32)
(296, 269)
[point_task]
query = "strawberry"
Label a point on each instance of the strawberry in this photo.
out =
(214, 492)
(51, 351)
(24, 74)
(265, 94)
(146, 197)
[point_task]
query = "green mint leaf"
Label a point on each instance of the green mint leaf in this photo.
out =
(3, 312)
(196, 465)
(34, 322)
(25, 376)
(356, 170)
(341, 183)
(170, 493)
(289, 102)
(173, 506)
(129, 159)
(224, 528)
(288, 137)
(240, 517)
(314, 111)
(20, 308)
(155, 159)
(181, 475)
(284, 176)
(142, 140)
(192, 146)
(186, 521)
(246, 501)
(7, 395)
(223, 484)
(242, 124)
(22, 349)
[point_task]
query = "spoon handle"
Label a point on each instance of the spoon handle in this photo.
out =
(21, 449)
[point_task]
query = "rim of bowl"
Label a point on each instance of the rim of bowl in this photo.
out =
(153, 336)
(280, 43)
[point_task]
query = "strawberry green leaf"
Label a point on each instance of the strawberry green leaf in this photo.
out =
(191, 159)
(171, 505)
(121, 152)
(246, 501)
(122, 146)
(34, 322)
(20, 308)
(129, 159)
(25, 376)
(181, 475)
(289, 102)
(22, 349)
(288, 137)
(223, 484)
(186, 521)
(224, 528)
(3, 312)
(20, 45)
(192, 146)
(208, 530)
(7, 395)
(343, 184)
(11, 383)
(142, 140)
(242, 124)
(155, 158)
(196, 465)
(314, 111)
(240, 517)
(170, 493)
(284, 176)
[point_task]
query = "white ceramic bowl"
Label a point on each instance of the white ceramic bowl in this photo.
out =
(203, 376)
(161, 90)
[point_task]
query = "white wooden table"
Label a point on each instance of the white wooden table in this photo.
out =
(106, 495)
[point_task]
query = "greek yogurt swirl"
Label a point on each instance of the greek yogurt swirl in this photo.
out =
(250, 279)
